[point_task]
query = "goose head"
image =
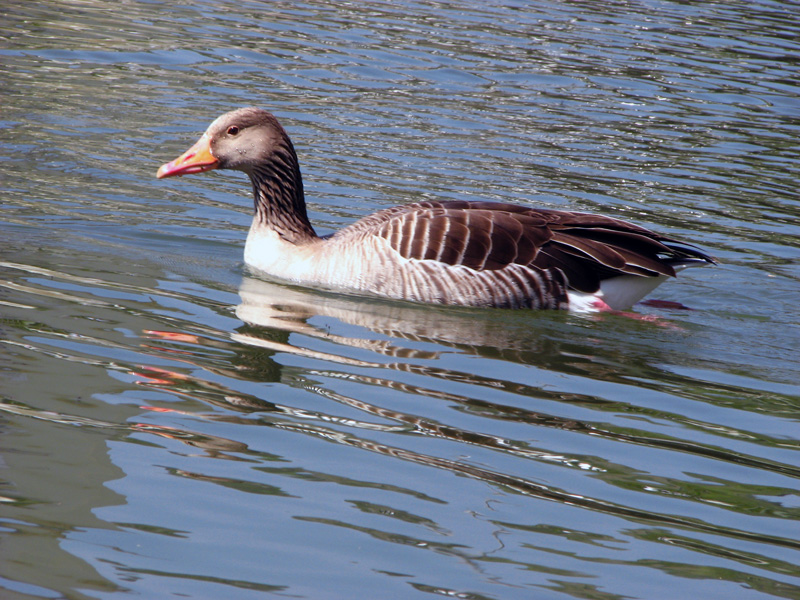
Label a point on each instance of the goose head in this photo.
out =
(251, 140)
(240, 140)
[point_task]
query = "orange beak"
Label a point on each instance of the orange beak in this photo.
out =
(196, 159)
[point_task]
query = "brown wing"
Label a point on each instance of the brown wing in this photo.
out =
(590, 248)
(475, 238)
(488, 236)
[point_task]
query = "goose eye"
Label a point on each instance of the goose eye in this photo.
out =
(233, 130)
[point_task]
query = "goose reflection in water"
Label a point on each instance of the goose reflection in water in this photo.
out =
(395, 329)
(486, 332)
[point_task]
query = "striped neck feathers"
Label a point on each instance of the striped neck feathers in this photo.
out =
(278, 195)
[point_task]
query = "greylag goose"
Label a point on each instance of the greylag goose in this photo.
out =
(455, 252)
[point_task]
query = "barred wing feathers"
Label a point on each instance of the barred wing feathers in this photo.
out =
(488, 236)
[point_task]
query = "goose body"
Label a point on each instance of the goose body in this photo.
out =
(457, 252)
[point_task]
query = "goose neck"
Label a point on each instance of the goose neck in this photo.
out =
(280, 203)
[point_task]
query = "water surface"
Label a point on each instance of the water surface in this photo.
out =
(172, 426)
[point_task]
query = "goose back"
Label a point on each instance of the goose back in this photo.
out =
(524, 257)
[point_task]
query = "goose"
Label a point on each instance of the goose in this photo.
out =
(468, 253)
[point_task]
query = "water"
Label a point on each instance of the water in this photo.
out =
(171, 426)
